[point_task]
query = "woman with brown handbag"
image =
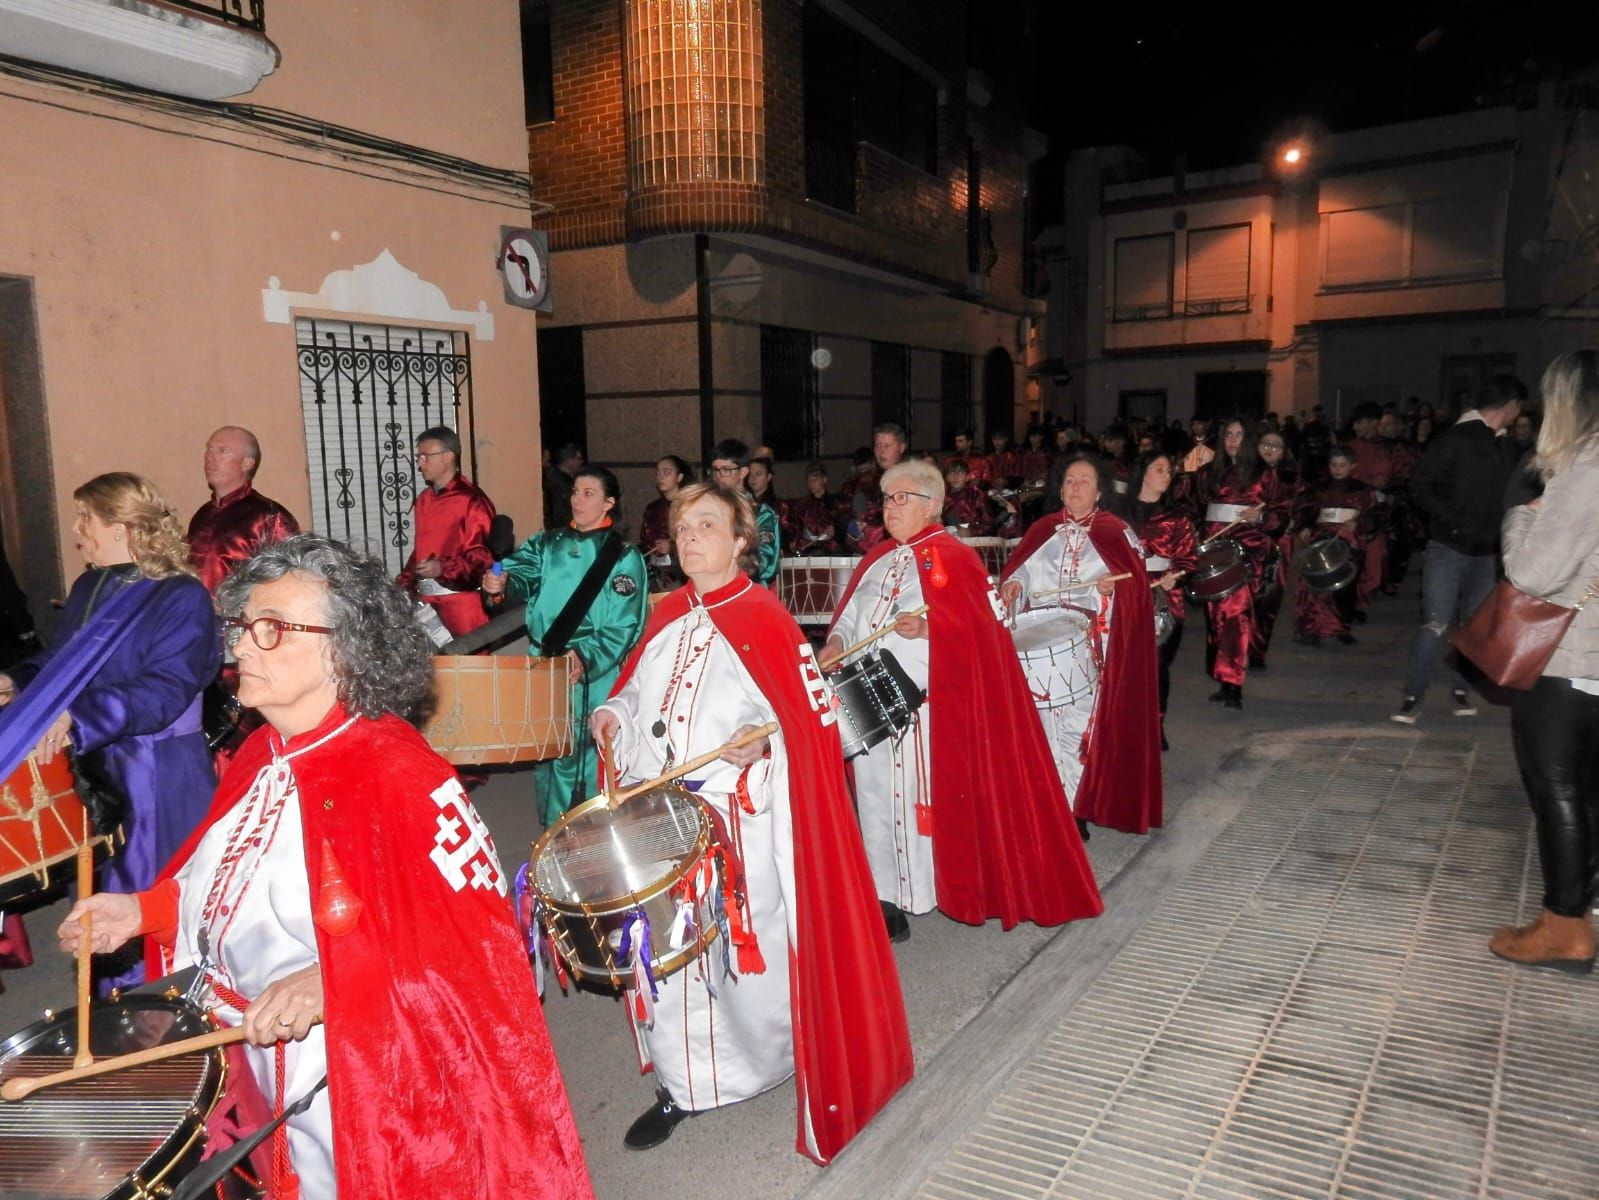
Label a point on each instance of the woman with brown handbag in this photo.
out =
(1551, 551)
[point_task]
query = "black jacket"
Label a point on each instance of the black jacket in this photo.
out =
(1460, 485)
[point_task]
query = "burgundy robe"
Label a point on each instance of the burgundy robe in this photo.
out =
(452, 525)
(229, 529)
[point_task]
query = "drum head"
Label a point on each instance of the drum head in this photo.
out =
(1041, 628)
(82, 1140)
(600, 857)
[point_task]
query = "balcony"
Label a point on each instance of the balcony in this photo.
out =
(1170, 325)
(198, 49)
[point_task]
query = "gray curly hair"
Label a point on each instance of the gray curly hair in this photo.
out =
(381, 657)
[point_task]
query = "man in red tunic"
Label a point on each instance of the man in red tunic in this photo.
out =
(238, 520)
(451, 551)
(1375, 464)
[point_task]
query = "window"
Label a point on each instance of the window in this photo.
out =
(1364, 245)
(791, 419)
(1143, 267)
(891, 385)
(1418, 241)
(538, 74)
(955, 395)
(366, 391)
(1218, 271)
(1455, 237)
(855, 91)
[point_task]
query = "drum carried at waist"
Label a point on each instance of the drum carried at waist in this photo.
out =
(1327, 565)
(1222, 568)
(1165, 618)
(878, 700)
(643, 873)
(1052, 645)
(500, 708)
(43, 822)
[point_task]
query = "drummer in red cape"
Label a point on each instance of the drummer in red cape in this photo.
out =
(343, 873)
(1096, 696)
(1229, 500)
(808, 987)
(964, 810)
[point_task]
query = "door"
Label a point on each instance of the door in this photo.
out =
(563, 397)
(1222, 394)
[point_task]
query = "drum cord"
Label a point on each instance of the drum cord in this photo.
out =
(199, 1182)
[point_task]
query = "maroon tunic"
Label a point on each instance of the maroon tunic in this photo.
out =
(226, 531)
(1282, 498)
(452, 525)
(969, 505)
(861, 505)
(1316, 613)
(1230, 623)
(811, 524)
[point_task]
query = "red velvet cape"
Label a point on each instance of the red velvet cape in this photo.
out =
(1121, 786)
(441, 1075)
(1004, 843)
(852, 1046)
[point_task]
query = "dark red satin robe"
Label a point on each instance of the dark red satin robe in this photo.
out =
(969, 505)
(225, 532)
(1167, 532)
(452, 525)
(1230, 624)
(1282, 499)
(811, 524)
(1317, 613)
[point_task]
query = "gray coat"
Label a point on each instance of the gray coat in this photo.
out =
(1553, 553)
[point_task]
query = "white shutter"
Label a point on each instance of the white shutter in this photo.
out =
(1364, 245)
(1143, 277)
(1218, 263)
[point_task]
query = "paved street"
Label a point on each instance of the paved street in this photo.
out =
(1288, 994)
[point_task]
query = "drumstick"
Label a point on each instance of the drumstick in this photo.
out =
(876, 637)
(694, 764)
(1222, 532)
(22, 1086)
(85, 952)
(610, 770)
(1079, 586)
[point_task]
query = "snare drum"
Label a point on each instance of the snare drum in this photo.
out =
(598, 869)
(1165, 618)
(42, 824)
(132, 1133)
(877, 701)
(1222, 569)
(1052, 644)
(1327, 565)
(811, 588)
(500, 708)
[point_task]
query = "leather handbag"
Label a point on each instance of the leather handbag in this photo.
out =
(1513, 636)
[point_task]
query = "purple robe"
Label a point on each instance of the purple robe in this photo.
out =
(142, 709)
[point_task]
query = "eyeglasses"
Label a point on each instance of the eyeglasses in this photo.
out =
(726, 470)
(899, 499)
(265, 632)
(424, 455)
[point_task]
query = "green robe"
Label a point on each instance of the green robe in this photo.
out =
(545, 571)
(770, 550)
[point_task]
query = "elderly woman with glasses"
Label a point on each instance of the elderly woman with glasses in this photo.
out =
(963, 811)
(343, 876)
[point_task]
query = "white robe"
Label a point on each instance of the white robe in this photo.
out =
(711, 1051)
(262, 932)
(1064, 681)
(896, 774)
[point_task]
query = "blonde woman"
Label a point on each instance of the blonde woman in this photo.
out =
(1551, 550)
(134, 728)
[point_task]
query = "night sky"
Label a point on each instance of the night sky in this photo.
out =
(1219, 84)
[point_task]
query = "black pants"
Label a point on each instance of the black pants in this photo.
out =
(1167, 653)
(1556, 733)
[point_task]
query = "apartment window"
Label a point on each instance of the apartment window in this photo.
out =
(891, 385)
(538, 74)
(955, 395)
(791, 418)
(855, 91)
(1415, 242)
(366, 392)
(1218, 271)
(1143, 274)
(1364, 245)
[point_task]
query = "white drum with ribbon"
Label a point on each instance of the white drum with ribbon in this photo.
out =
(1053, 646)
(811, 588)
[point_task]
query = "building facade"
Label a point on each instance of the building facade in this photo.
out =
(314, 260)
(1403, 262)
(778, 221)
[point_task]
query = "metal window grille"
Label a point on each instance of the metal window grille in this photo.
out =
(791, 414)
(366, 391)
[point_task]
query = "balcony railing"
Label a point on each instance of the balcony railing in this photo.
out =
(247, 14)
(1165, 310)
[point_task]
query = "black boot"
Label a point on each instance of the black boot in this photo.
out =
(1257, 662)
(1219, 696)
(899, 928)
(656, 1123)
(1164, 744)
(1082, 828)
(1234, 697)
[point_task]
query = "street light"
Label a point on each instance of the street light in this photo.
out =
(1292, 156)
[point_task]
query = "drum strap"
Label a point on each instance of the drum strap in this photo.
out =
(554, 642)
(285, 1183)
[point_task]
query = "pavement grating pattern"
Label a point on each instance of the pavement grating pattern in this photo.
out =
(1313, 1012)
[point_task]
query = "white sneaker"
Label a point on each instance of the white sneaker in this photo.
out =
(1408, 711)
(1463, 705)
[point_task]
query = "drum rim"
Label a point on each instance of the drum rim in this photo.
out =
(190, 1131)
(103, 847)
(627, 900)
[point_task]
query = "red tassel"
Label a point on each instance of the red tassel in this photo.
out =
(750, 959)
(924, 820)
(337, 906)
(937, 576)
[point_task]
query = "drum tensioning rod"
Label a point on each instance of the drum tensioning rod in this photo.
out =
(20, 1087)
(692, 764)
(876, 637)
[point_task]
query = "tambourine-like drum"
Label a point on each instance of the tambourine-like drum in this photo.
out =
(1165, 618)
(124, 1136)
(877, 701)
(1327, 565)
(598, 870)
(1222, 569)
(811, 588)
(500, 708)
(42, 824)
(1054, 658)
(991, 550)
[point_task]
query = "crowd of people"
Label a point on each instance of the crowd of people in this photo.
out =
(947, 743)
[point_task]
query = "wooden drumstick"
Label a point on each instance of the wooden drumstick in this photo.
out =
(85, 947)
(694, 764)
(610, 771)
(876, 637)
(1079, 586)
(22, 1086)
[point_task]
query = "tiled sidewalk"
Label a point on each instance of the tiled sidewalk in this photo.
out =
(1311, 1010)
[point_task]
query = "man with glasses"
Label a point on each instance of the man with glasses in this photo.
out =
(238, 520)
(730, 468)
(451, 522)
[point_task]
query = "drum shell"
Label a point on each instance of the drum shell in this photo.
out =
(812, 588)
(500, 708)
(1165, 620)
(1327, 565)
(991, 550)
(1222, 568)
(877, 701)
(588, 933)
(42, 824)
(1050, 645)
(121, 1026)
